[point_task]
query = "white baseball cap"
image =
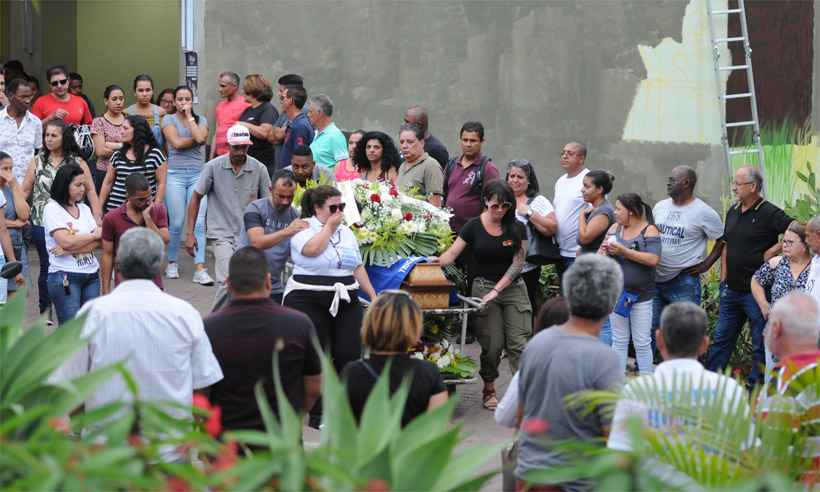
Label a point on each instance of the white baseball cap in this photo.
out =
(239, 135)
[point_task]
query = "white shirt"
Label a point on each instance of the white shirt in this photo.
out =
(569, 202)
(813, 284)
(55, 217)
(160, 338)
(506, 412)
(683, 373)
(20, 142)
(539, 205)
(339, 259)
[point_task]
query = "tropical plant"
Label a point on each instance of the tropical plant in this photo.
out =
(807, 205)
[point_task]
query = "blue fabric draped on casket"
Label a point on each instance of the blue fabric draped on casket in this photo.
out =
(391, 277)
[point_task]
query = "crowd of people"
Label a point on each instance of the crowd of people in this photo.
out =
(136, 183)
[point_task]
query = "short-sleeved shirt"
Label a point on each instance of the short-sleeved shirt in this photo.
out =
(540, 205)
(281, 122)
(153, 118)
(55, 217)
(262, 213)
(110, 132)
(20, 142)
(639, 278)
(244, 335)
(748, 235)
(604, 209)
(779, 279)
(339, 259)
(44, 172)
(425, 176)
(298, 133)
(569, 202)
(813, 283)
(556, 364)
(360, 377)
(462, 195)
(124, 167)
(437, 150)
(188, 158)
(227, 113)
(117, 221)
(261, 149)
(684, 233)
(229, 193)
(78, 112)
(492, 255)
(329, 146)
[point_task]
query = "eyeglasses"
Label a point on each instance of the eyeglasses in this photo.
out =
(735, 183)
(790, 242)
(502, 206)
(333, 208)
(55, 83)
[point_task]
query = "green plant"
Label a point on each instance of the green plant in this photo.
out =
(807, 205)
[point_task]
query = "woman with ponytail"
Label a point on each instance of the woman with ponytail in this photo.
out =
(327, 275)
(635, 243)
(140, 152)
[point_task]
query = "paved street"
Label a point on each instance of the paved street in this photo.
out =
(478, 424)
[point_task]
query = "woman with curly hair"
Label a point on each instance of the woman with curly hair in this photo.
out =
(377, 158)
(140, 153)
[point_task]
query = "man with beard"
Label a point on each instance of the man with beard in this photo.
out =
(137, 211)
(269, 225)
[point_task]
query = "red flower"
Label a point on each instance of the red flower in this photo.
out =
(408, 216)
(213, 424)
(375, 198)
(176, 484)
(60, 424)
(228, 454)
(394, 192)
(535, 426)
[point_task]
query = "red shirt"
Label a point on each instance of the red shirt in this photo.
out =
(78, 112)
(461, 197)
(227, 114)
(116, 222)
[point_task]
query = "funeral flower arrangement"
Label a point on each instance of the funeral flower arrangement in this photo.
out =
(446, 357)
(394, 225)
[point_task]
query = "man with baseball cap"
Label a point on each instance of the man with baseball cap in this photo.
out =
(230, 182)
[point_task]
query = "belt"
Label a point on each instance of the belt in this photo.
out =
(341, 290)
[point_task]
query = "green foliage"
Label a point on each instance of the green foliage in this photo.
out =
(807, 205)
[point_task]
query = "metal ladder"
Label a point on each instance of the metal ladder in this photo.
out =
(757, 147)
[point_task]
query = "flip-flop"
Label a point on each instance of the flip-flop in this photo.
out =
(490, 402)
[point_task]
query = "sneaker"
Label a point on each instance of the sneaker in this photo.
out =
(201, 277)
(315, 422)
(172, 270)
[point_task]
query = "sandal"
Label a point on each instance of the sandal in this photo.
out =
(490, 402)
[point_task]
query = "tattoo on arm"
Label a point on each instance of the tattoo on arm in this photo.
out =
(517, 264)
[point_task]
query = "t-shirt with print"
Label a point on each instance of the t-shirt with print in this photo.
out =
(110, 132)
(298, 133)
(425, 177)
(461, 195)
(541, 206)
(124, 167)
(339, 259)
(684, 233)
(606, 210)
(262, 213)
(492, 255)
(188, 158)
(554, 365)
(568, 203)
(329, 146)
(55, 217)
(261, 149)
(78, 112)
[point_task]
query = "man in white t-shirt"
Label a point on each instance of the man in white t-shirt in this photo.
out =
(569, 202)
(813, 240)
(670, 400)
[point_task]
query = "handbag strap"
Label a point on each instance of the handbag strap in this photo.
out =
(370, 369)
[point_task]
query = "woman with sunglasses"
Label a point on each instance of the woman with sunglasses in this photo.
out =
(498, 243)
(532, 210)
(327, 276)
(59, 103)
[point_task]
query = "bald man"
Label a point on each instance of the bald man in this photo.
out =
(417, 115)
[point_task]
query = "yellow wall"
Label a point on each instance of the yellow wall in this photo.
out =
(148, 34)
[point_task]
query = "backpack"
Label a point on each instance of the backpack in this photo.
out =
(478, 181)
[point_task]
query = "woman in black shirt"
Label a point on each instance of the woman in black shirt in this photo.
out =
(498, 245)
(259, 119)
(391, 325)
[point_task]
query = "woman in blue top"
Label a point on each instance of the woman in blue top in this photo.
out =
(186, 133)
(636, 244)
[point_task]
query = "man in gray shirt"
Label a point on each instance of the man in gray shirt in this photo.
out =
(230, 182)
(270, 223)
(564, 360)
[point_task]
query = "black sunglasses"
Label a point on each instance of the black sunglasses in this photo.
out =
(333, 208)
(55, 83)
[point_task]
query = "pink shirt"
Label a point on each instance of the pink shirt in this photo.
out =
(227, 114)
(342, 174)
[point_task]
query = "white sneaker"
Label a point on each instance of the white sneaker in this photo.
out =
(201, 277)
(172, 270)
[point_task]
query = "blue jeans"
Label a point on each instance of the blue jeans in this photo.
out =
(38, 237)
(82, 287)
(683, 287)
(735, 309)
(178, 190)
(605, 335)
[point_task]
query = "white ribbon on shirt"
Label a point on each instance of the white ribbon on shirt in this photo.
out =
(342, 291)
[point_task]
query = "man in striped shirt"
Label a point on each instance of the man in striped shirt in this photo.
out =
(794, 390)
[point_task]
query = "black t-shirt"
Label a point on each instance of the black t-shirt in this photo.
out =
(437, 150)
(748, 235)
(360, 377)
(492, 255)
(261, 150)
(243, 336)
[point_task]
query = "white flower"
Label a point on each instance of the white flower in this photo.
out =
(444, 361)
(417, 355)
(434, 356)
(396, 214)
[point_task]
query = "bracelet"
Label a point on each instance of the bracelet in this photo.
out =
(496, 290)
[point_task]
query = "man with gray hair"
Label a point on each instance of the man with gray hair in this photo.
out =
(564, 360)
(680, 380)
(160, 338)
(329, 145)
(417, 115)
(813, 241)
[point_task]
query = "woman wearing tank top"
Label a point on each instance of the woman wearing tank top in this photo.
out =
(635, 243)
